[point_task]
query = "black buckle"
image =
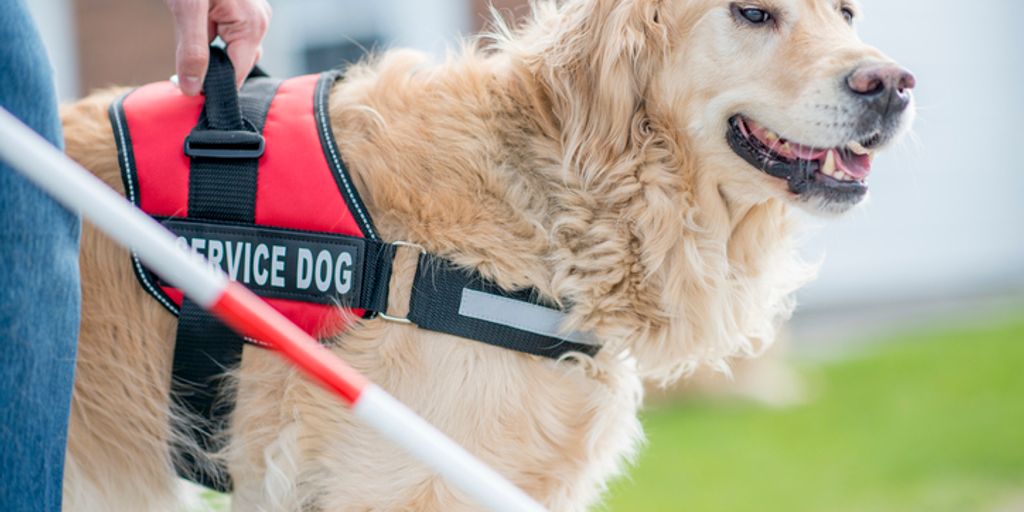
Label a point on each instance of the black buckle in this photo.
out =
(234, 144)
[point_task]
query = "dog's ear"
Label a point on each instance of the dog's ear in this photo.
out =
(600, 64)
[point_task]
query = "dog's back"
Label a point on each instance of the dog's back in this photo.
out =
(292, 443)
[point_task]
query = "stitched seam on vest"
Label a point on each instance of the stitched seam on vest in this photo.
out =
(322, 118)
(131, 196)
(206, 228)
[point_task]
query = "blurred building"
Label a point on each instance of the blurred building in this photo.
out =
(96, 43)
(946, 213)
(947, 207)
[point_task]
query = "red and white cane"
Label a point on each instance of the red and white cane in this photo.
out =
(80, 191)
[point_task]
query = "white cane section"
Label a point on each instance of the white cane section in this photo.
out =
(404, 428)
(82, 192)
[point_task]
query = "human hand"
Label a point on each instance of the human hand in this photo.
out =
(241, 24)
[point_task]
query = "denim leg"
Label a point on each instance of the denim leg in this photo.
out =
(39, 289)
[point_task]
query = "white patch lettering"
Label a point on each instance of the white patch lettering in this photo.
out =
(215, 253)
(258, 270)
(323, 271)
(277, 266)
(248, 270)
(199, 246)
(304, 272)
(234, 253)
(342, 274)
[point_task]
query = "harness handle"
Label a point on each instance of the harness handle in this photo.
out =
(222, 131)
(222, 109)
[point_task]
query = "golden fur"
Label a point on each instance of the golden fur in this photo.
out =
(582, 154)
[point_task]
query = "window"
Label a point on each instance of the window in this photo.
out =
(319, 57)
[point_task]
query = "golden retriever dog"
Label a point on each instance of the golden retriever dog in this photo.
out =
(636, 159)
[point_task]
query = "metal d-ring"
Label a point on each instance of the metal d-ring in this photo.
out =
(422, 250)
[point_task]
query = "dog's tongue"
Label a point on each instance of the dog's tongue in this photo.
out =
(858, 166)
(854, 165)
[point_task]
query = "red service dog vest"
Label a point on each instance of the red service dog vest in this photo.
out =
(302, 186)
(254, 182)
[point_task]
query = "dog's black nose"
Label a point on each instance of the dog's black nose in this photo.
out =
(885, 88)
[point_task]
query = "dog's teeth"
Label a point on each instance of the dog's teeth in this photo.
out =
(786, 149)
(771, 137)
(829, 167)
(842, 176)
(858, 149)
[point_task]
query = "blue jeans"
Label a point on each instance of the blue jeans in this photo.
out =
(39, 289)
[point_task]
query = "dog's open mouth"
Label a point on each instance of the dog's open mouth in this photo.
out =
(840, 173)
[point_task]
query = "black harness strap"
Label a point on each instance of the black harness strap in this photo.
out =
(225, 148)
(451, 300)
(203, 351)
(371, 262)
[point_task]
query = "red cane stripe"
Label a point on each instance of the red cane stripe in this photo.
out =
(247, 313)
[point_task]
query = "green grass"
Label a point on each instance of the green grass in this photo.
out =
(929, 421)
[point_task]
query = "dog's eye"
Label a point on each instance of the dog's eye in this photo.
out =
(849, 15)
(753, 15)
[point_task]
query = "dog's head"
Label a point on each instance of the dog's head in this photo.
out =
(777, 98)
(786, 87)
(699, 121)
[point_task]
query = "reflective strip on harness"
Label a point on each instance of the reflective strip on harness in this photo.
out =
(438, 304)
(525, 316)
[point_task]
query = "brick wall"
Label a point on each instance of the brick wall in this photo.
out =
(123, 42)
(132, 41)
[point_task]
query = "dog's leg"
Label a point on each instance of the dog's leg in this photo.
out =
(554, 431)
(117, 451)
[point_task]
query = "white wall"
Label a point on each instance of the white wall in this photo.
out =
(429, 25)
(946, 215)
(57, 28)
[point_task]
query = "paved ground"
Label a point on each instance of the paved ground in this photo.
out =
(835, 332)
